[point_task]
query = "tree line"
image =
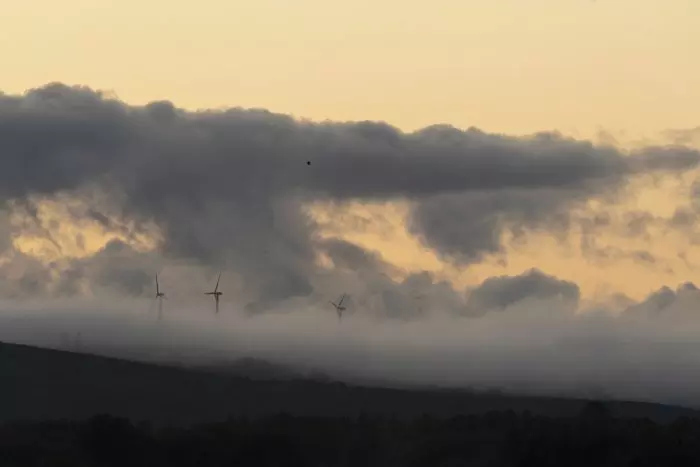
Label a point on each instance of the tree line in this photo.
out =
(593, 438)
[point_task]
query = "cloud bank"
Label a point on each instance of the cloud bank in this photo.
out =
(228, 190)
(535, 344)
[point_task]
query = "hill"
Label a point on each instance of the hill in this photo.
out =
(39, 384)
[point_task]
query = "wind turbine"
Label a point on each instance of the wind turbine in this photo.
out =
(216, 293)
(159, 296)
(339, 308)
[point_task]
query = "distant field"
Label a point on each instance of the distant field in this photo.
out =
(51, 384)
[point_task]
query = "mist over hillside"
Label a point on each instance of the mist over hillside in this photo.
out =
(527, 349)
(44, 384)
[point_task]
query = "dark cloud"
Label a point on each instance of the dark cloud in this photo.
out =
(465, 227)
(352, 257)
(498, 293)
(23, 276)
(660, 299)
(56, 138)
(116, 266)
(372, 289)
(665, 300)
(227, 189)
(5, 230)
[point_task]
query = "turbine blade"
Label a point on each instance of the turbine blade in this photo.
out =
(217, 283)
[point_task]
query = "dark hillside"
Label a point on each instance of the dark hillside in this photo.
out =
(44, 384)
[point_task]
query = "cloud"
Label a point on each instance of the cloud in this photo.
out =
(686, 137)
(499, 293)
(229, 190)
(190, 194)
(666, 300)
(117, 266)
(5, 231)
(465, 227)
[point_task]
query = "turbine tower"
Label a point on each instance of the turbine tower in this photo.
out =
(339, 308)
(216, 293)
(159, 296)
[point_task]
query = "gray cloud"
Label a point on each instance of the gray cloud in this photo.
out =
(465, 227)
(419, 294)
(499, 293)
(116, 266)
(368, 280)
(23, 276)
(227, 189)
(5, 230)
(665, 299)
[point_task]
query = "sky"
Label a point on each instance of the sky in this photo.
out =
(513, 66)
(447, 158)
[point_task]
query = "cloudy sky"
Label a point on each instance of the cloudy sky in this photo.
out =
(458, 157)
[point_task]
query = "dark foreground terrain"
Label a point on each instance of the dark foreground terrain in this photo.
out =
(167, 416)
(41, 384)
(494, 439)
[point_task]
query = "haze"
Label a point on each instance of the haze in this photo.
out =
(533, 347)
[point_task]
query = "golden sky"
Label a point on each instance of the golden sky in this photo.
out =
(513, 66)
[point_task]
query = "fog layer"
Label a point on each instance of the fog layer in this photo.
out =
(534, 345)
